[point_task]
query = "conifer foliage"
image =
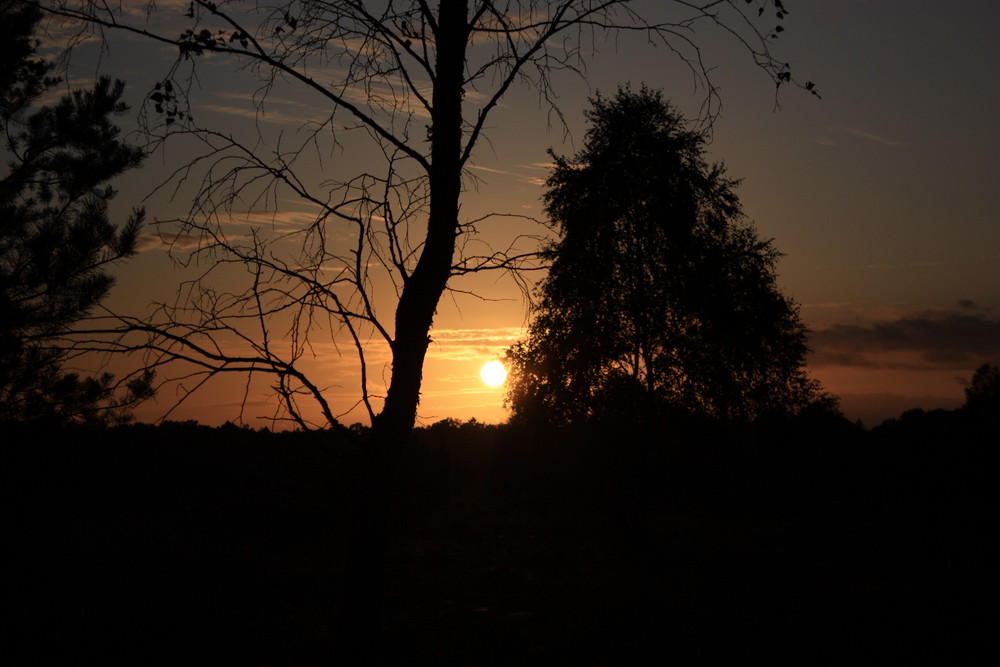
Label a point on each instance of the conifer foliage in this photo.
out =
(56, 238)
(661, 295)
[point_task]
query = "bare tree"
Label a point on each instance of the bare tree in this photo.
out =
(418, 80)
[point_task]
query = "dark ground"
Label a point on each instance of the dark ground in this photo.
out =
(182, 544)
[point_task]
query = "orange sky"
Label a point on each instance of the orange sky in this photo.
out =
(881, 196)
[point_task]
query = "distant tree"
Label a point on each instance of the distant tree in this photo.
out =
(983, 393)
(56, 240)
(660, 295)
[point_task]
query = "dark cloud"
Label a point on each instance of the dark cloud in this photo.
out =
(935, 340)
(176, 241)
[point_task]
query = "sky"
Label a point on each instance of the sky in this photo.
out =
(880, 193)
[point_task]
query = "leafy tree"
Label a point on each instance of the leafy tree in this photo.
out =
(983, 393)
(414, 82)
(660, 294)
(418, 81)
(56, 239)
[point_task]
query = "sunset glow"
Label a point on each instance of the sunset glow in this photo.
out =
(884, 215)
(263, 266)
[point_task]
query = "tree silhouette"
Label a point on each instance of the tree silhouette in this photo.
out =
(417, 82)
(409, 81)
(982, 396)
(659, 293)
(56, 239)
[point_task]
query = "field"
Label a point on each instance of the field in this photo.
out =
(823, 543)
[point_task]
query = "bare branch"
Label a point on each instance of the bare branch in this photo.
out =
(359, 260)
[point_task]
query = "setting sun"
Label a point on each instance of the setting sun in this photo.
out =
(493, 373)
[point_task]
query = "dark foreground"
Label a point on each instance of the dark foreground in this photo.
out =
(815, 543)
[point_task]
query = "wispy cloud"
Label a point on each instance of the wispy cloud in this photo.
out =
(488, 169)
(830, 304)
(871, 136)
(523, 173)
(233, 226)
(281, 221)
(262, 115)
(907, 265)
(170, 241)
(481, 335)
(471, 344)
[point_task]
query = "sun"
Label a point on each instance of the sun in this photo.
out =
(493, 373)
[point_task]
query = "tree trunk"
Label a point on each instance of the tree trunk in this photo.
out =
(414, 316)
